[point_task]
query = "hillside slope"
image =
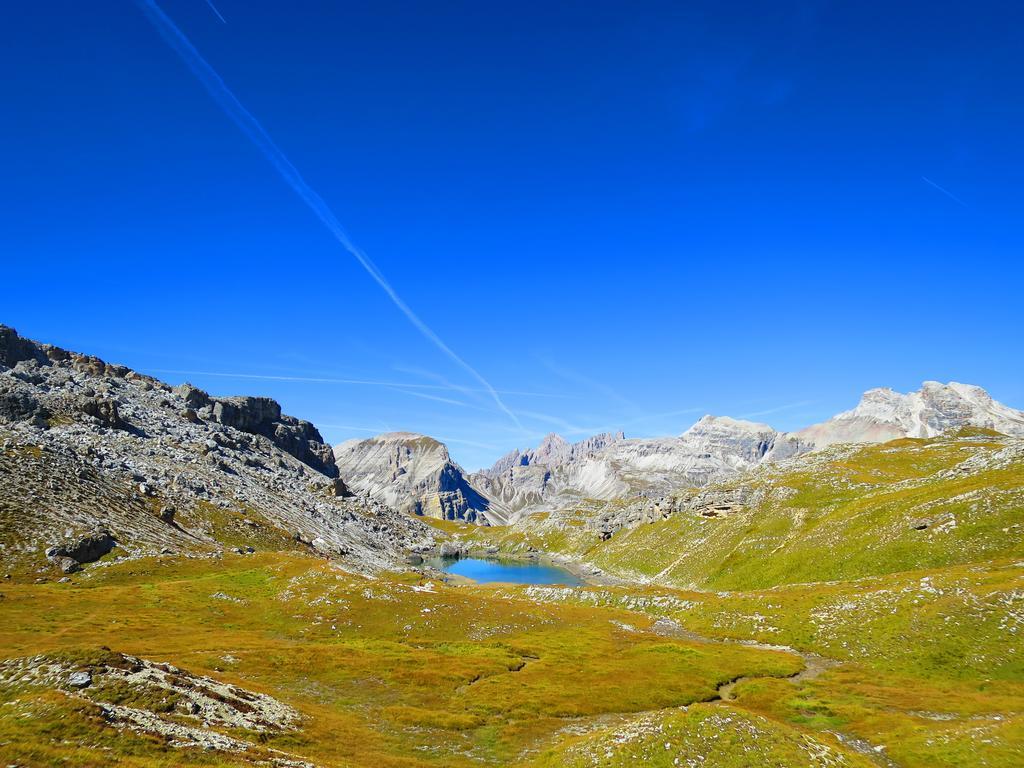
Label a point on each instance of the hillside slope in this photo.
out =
(841, 513)
(97, 461)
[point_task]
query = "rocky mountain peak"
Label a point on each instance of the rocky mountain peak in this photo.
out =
(413, 473)
(884, 414)
(552, 442)
(554, 451)
(558, 472)
(413, 442)
(504, 464)
(725, 437)
(710, 423)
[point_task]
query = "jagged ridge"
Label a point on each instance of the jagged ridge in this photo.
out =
(90, 450)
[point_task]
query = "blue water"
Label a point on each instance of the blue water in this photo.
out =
(506, 571)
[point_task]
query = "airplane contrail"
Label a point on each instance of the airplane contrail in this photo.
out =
(252, 128)
(946, 192)
(214, 9)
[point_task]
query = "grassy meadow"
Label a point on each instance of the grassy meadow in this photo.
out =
(821, 626)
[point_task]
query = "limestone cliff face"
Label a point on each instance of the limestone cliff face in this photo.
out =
(883, 414)
(415, 474)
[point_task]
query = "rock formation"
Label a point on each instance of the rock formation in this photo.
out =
(415, 474)
(883, 414)
(262, 416)
(93, 454)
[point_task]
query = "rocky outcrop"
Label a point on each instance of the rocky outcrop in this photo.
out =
(19, 404)
(415, 474)
(103, 411)
(179, 708)
(262, 416)
(14, 349)
(883, 414)
(33, 364)
(719, 500)
(86, 446)
(87, 549)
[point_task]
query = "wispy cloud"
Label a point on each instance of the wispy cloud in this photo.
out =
(350, 427)
(597, 385)
(438, 398)
(439, 381)
(944, 191)
(571, 429)
(214, 9)
(340, 380)
(565, 426)
(473, 443)
(252, 128)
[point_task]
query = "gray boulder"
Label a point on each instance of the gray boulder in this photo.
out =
(67, 564)
(80, 679)
(448, 549)
(20, 405)
(104, 411)
(87, 549)
(194, 397)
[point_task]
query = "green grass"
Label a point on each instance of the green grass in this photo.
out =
(723, 737)
(844, 515)
(385, 675)
(923, 628)
(929, 662)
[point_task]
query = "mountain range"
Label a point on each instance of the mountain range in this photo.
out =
(417, 473)
(148, 446)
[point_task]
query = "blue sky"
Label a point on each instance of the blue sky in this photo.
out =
(620, 215)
